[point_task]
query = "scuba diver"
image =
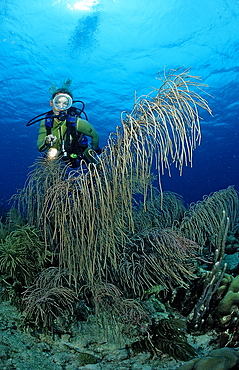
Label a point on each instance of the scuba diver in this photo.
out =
(64, 134)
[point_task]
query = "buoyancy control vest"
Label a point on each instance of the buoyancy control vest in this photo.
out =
(75, 142)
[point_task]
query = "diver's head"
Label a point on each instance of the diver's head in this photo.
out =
(61, 100)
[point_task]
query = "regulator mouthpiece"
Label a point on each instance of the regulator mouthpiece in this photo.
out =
(62, 102)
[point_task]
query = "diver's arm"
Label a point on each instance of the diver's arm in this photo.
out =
(87, 129)
(41, 142)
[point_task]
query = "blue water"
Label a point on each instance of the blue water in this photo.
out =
(112, 49)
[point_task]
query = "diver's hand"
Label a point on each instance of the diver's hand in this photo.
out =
(50, 139)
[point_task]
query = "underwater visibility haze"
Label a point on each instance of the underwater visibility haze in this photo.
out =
(113, 50)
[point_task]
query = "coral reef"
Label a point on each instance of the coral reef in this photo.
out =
(48, 298)
(22, 255)
(225, 306)
(202, 221)
(102, 241)
(223, 359)
(165, 336)
(213, 278)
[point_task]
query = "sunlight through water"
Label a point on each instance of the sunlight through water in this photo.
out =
(83, 5)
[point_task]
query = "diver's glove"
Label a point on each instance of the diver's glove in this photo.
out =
(50, 139)
(98, 151)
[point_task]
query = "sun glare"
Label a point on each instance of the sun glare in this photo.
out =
(83, 5)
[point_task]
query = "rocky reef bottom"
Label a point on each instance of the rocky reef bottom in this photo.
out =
(91, 348)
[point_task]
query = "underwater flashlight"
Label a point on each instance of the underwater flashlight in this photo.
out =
(62, 102)
(52, 153)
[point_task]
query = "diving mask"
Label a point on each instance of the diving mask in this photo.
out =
(62, 102)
